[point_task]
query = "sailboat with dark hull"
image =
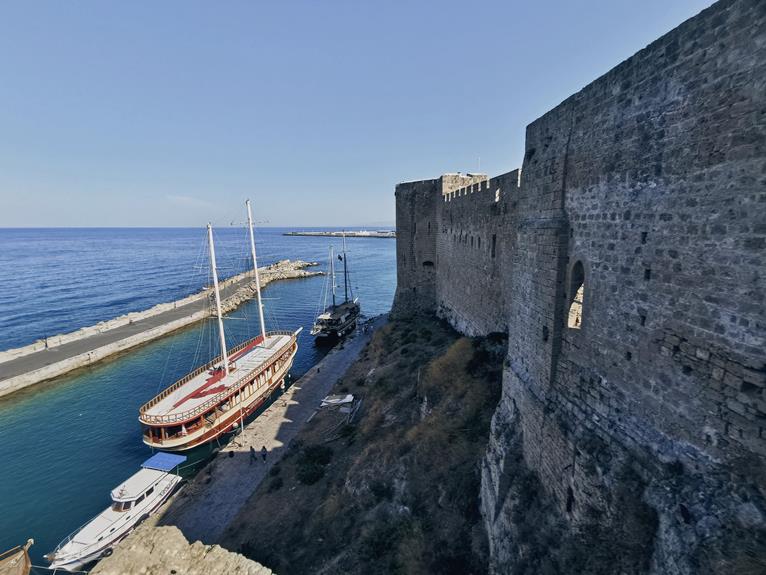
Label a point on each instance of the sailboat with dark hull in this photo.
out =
(338, 319)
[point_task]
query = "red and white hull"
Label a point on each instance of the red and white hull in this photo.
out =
(207, 404)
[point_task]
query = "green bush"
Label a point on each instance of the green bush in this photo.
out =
(320, 454)
(382, 490)
(309, 473)
(347, 431)
(275, 484)
(311, 463)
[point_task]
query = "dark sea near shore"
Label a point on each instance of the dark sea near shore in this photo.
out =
(67, 443)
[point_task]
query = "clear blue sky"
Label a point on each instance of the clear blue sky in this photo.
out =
(170, 113)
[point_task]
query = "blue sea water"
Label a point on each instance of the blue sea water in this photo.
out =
(65, 444)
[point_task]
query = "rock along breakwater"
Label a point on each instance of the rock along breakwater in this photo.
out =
(57, 355)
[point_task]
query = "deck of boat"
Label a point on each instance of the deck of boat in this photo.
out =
(202, 387)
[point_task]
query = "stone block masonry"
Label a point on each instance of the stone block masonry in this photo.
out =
(450, 248)
(627, 262)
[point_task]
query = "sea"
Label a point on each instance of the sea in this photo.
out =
(66, 443)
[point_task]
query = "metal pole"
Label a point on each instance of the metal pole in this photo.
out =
(255, 267)
(217, 300)
(332, 274)
(345, 268)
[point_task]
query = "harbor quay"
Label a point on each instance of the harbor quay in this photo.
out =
(211, 501)
(54, 356)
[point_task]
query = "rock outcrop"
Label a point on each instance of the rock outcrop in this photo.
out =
(282, 270)
(165, 551)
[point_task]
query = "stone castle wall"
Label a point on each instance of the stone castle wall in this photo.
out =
(472, 243)
(648, 189)
(453, 240)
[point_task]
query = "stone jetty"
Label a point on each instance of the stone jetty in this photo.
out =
(57, 355)
(349, 234)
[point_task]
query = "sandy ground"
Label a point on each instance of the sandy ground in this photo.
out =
(205, 507)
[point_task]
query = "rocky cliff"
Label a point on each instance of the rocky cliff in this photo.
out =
(165, 551)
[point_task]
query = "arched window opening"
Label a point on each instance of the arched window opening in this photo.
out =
(577, 295)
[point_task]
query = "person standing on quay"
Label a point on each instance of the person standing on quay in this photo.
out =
(252, 455)
(264, 453)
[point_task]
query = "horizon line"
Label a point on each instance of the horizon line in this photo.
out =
(187, 227)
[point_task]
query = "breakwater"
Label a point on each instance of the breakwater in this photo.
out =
(54, 356)
(348, 234)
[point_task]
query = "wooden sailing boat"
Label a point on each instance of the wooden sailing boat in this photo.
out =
(216, 398)
(337, 320)
(16, 561)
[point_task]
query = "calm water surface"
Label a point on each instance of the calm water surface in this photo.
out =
(67, 443)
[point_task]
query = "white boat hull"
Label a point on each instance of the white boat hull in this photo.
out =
(73, 555)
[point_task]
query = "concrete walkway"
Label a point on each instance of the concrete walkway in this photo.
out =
(205, 507)
(48, 363)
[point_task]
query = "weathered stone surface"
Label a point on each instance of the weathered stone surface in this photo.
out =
(649, 187)
(164, 550)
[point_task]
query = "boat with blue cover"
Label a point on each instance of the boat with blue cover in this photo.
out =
(133, 501)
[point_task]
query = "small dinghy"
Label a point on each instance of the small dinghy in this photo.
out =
(132, 501)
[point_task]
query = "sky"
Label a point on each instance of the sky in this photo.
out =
(172, 113)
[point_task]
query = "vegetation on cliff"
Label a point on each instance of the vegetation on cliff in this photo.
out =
(397, 490)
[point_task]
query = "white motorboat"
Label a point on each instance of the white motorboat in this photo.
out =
(132, 501)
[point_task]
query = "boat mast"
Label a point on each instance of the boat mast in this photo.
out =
(345, 268)
(255, 267)
(332, 274)
(224, 354)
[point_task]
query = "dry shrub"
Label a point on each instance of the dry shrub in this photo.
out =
(403, 497)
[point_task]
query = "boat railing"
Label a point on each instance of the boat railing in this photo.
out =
(69, 537)
(184, 416)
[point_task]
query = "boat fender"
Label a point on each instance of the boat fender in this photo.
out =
(107, 552)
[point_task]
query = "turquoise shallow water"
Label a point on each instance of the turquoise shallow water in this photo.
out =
(67, 443)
